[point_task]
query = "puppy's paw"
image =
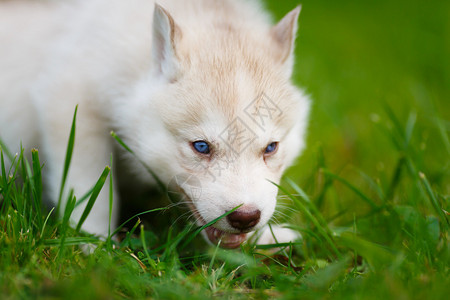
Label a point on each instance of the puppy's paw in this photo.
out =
(278, 234)
(88, 249)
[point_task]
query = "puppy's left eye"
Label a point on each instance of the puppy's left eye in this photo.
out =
(201, 147)
(271, 148)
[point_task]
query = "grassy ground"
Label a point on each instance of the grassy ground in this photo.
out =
(370, 195)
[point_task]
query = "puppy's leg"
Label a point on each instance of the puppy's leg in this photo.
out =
(278, 234)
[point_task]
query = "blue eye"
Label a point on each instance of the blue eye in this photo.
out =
(271, 148)
(201, 147)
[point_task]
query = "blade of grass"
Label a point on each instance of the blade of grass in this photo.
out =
(8, 180)
(131, 232)
(443, 133)
(67, 160)
(30, 183)
(149, 170)
(37, 180)
(111, 198)
(409, 129)
(213, 258)
(24, 207)
(84, 197)
(45, 222)
(4, 187)
(327, 182)
(324, 278)
(95, 192)
(434, 201)
(313, 219)
(282, 248)
(135, 216)
(352, 187)
(65, 223)
(376, 255)
(150, 260)
(395, 179)
(71, 241)
(170, 247)
(277, 245)
(5, 150)
(397, 125)
(310, 204)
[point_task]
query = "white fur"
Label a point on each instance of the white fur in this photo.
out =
(191, 75)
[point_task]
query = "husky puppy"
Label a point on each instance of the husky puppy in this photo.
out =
(200, 90)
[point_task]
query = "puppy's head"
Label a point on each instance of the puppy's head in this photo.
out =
(231, 121)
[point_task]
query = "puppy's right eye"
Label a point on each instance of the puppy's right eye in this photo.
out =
(201, 147)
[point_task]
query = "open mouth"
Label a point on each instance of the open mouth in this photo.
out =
(226, 240)
(219, 237)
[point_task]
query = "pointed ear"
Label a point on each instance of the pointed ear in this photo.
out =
(284, 34)
(166, 34)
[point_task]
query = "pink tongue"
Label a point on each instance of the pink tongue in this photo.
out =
(227, 240)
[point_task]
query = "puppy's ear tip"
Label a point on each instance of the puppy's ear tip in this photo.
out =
(159, 10)
(294, 14)
(165, 37)
(158, 7)
(285, 31)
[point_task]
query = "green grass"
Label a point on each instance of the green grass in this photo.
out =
(370, 195)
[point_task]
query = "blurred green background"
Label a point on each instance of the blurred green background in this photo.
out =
(357, 59)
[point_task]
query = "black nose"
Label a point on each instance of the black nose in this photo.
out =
(243, 220)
